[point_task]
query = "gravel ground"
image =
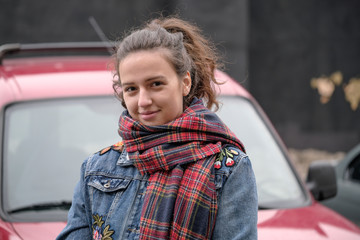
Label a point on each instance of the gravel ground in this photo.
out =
(302, 158)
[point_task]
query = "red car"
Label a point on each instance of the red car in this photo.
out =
(55, 110)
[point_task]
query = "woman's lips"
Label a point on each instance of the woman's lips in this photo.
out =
(148, 115)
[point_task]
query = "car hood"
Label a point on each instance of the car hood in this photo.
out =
(39, 231)
(312, 222)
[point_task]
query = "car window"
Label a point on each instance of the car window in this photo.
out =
(46, 141)
(277, 185)
(354, 170)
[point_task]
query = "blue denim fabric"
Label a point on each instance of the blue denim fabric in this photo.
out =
(109, 197)
(238, 202)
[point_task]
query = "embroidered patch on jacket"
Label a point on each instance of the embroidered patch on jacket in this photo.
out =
(100, 233)
(117, 147)
(228, 155)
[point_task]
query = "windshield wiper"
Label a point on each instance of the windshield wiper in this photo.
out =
(65, 205)
(261, 207)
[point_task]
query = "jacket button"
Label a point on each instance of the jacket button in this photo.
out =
(107, 185)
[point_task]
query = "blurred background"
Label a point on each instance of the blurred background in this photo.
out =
(299, 59)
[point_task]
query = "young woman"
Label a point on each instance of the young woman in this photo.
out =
(179, 172)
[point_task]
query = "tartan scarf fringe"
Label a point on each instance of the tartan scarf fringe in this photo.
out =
(180, 200)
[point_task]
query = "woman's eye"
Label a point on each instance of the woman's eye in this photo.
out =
(129, 89)
(156, 84)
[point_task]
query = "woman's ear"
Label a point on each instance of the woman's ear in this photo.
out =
(186, 84)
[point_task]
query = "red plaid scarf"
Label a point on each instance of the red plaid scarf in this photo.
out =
(180, 201)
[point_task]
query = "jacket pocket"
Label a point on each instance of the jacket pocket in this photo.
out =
(107, 184)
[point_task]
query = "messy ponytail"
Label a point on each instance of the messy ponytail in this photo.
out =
(189, 52)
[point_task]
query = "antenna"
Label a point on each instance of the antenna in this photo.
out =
(101, 34)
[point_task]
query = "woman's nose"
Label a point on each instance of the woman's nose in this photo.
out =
(144, 98)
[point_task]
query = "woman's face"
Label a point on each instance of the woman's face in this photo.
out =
(152, 91)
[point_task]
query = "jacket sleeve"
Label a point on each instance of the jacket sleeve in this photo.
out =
(77, 225)
(238, 204)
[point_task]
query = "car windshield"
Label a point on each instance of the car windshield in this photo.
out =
(45, 143)
(276, 182)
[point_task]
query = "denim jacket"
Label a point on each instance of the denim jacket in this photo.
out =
(109, 196)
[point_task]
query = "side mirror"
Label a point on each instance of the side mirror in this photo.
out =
(321, 180)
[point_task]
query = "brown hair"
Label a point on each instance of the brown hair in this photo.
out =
(188, 51)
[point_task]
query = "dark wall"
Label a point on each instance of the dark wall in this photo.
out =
(292, 42)
(226, 23)
(51, 21)
(56, 20)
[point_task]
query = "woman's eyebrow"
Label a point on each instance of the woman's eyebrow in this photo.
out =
(158, 77)
(155, 78)
(126, 84)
